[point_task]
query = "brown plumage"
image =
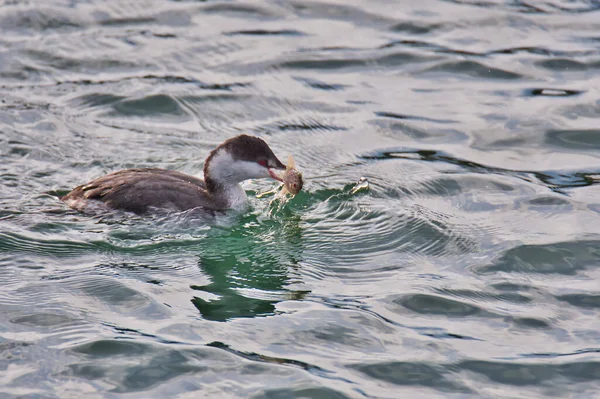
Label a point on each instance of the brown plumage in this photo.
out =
(144, 190)
(138, 190)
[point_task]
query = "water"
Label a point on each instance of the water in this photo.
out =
(468, 268)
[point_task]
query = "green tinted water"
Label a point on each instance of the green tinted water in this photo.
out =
(468, 268)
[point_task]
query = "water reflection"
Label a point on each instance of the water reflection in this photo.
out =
(250, 268)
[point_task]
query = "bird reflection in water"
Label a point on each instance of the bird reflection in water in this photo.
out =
(250, 267)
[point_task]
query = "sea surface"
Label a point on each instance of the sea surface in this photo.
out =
(464, 264)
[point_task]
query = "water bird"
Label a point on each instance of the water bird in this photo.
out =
(146, 190)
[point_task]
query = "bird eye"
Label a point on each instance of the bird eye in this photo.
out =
(263, 162)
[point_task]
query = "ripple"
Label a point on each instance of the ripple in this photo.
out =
(16, 243)
(558, 355)
(566, 65)
(351, 60)
(370, 238)
(316, 84)
(38, 20)
(94, 100)
(239, 10)
(550, 201)
(159, 105)
(401, 58)
(44, 320)
(439, 187)
(168, 18)
(472, 69)
(415, 28)
(540, 7)
(124, 21)
(437, 305)
(324, 64)
(223, 109)
(307, 125)
(419, 118)
(88, 64)
(343, 12)
(577, 111)
(150, 373)
(185, 369)
(407, 132)
(153, 79)
(487, 296)
(567, 258)
(539, 51)
(432, 47)
(111, 348)
(558, 180)
(11, 350)
(141, 12)
(264, 32)
(317, 392)
(262, 358)
(555, 180)
(522, 374)
(531, 322)
(584, 301)
(413, 373)
(574, 139)
(108, 291)
(546, 92)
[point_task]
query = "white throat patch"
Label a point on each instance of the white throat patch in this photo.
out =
(225, 170)
(228, 173)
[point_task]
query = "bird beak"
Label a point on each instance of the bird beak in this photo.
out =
(275, 164)
(274, 175)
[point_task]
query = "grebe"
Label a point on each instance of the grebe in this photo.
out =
(144, 190)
